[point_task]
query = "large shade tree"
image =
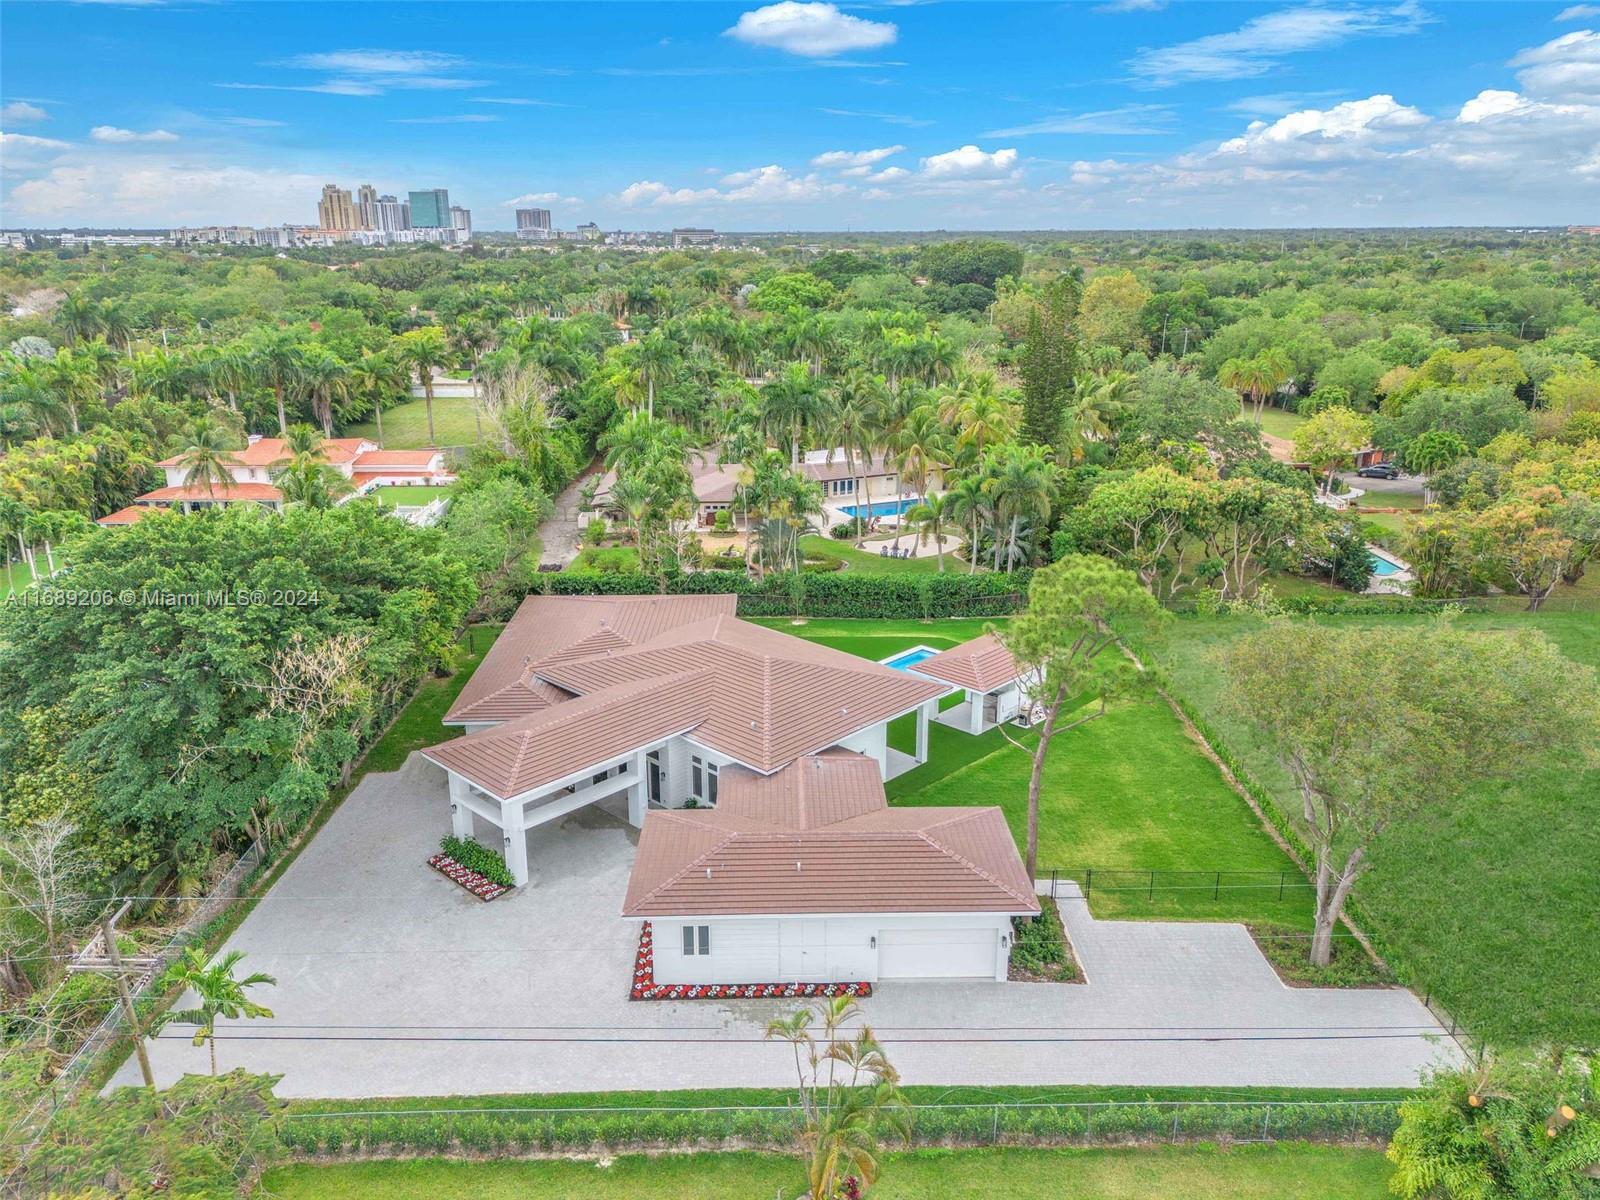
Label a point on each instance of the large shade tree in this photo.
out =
(1380, 726)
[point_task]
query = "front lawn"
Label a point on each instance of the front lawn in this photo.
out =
(1492, 908)
(405, 426)
(870, 562)
(1283, 1172)
(1128, 792)
(418, 725)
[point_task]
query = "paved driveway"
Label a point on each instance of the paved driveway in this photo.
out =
(392, 981)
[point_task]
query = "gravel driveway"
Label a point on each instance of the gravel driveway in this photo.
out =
(392, 981)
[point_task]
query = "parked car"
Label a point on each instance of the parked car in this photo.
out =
(1381, 470)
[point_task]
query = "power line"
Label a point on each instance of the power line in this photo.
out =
(758, 1041)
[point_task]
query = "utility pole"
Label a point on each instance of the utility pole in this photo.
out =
(108, 931)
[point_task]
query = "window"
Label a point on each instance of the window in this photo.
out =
(702, 779)
(689, 934)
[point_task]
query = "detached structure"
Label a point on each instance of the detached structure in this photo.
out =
(754, 763)
(996, 688)
(358, 460)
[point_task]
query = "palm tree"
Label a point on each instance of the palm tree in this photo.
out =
(31, 388)
(982, 415)
(374, 378)
(654, 360)
(304, 443)
(928, 519)
(1022, 487)
(276, 362)
(423, 350)
(968, 500)
(219, 995)
(790, 404)
(311, 483)
(78, 317)
(74, 379)
(207, 460)
(918, 448)
(115, 327)
(856, 417)
(326, 379)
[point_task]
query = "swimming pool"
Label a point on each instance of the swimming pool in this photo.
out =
(907, 659)
(883, 508)
(1382, 564)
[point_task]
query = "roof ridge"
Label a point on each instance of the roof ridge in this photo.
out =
(724, 837)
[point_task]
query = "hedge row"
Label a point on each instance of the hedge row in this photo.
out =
(533, 1130)
(885, 597)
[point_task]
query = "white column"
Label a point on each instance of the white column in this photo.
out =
(460, 814)
(515, 843)
(638, 801)
(975, 711)
(922, 730)
(1002, 957)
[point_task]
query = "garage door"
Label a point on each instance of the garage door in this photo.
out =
(936, 953)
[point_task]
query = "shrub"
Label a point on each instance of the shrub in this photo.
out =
(594, 532)
(1039, 947)
(481, 859)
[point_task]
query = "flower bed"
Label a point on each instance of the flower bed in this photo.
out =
(645, 986)
(480, 886)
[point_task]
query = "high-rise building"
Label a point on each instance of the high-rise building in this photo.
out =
(533, 222)
(335, 211)
(461, 221)
(367, 206)
(392, 215)
(430, 209)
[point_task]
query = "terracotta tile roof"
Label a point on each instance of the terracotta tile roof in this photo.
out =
(547, 746)
(127, 516)
(843, 466)
(823, 841)
(223, 493)
(557, 629)
(776, 696)
(368, 460)
(267, 451)
(714, 482)
(981, 665)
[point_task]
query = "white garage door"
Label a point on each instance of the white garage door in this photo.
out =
(936, 953)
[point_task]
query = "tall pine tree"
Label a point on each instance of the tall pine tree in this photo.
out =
(1048, 362)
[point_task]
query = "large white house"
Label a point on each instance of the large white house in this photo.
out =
(753, 762)
(358, 460)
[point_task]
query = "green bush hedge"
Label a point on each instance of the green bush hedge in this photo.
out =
(535, 1130)
(885, 597)
(475, 857)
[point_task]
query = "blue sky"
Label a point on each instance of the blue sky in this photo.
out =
(804, 115)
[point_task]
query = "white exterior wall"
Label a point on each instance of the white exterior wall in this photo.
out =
(812, 949)
(873, 741)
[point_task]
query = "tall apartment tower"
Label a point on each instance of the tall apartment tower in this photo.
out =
(392, 215)
(461, 221)
(430, 209)
(367, 206)
(335, 211)
(533, 219)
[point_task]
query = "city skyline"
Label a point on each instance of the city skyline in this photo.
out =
(1122, 114)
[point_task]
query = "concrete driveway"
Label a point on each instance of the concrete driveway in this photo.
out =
(392, 981)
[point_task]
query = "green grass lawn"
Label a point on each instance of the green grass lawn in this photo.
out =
(418, 724)
(1284, 1172)
(1128, 791)
(405, 426)
(15, 577)
(870, 562)
(1280, 423)
(1491, 907)
(409, 494)
(605, 558)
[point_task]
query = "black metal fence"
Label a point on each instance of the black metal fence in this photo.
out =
(1213, 883)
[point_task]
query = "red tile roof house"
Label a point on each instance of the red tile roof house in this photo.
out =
(358, 460)
(790, 866)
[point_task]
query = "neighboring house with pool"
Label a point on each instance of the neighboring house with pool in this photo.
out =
(851, 487)
(753, 764)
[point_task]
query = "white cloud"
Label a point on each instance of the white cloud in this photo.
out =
(27, 141)
(653, 192)
(528, 198)
(1129, 119)
(452, 119)
(334, 87)
(813, 30)
(773, 184)
(1579, 12)
(969, 162)
(110, 133)
(854, 158)
(1276, 104)
(886, 118)
(254, 122)
(1565, 68)
(520, 101)
(1123, 6)
(1257, 45)
(20, 112)
(142, 192)
(377, 62)
(1353, 128)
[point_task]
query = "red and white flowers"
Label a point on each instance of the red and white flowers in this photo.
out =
(645, 986)
(483, 889)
